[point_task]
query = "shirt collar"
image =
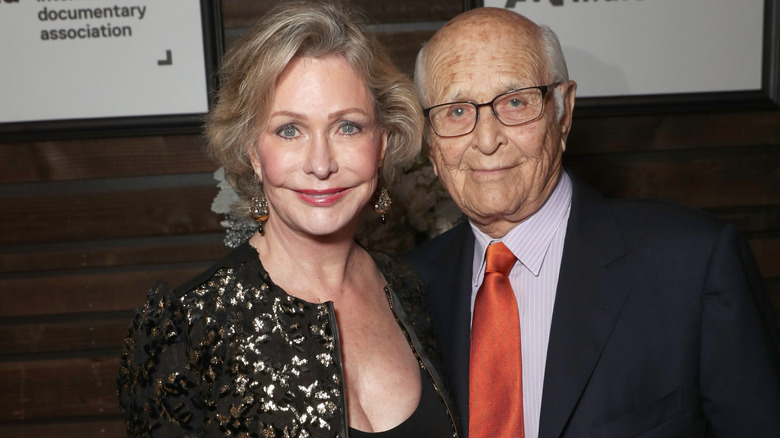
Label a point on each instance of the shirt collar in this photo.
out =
(530, 239)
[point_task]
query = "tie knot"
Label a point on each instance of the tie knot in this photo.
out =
(499, 259)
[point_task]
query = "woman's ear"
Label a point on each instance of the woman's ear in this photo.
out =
(382, 148)
(254, 158)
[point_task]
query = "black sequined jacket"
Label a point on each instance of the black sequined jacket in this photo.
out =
(232, 354)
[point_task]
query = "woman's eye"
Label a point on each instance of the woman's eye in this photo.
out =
(287, 131)
(349, 128)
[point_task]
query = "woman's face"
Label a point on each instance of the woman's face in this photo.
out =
(319, 154)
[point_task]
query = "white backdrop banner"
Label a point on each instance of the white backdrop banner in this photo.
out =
(645, 47)
(76, 59)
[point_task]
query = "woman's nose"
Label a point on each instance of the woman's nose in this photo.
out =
(320, 160)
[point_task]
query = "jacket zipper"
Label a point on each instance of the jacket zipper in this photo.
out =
(424, 360)
(337, 358)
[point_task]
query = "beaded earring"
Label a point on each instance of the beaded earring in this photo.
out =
(382, 203)
(258, 208)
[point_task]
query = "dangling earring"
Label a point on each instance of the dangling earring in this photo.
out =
(382, 203)
(258, 208)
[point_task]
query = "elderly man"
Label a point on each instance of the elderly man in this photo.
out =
(560, 313)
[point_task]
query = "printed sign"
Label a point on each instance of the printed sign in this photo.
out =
(84, 59)
(646, 47)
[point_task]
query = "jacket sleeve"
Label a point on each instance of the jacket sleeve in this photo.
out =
(740, 346)
(158, 387)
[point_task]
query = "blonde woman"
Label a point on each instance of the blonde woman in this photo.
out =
(300, 331)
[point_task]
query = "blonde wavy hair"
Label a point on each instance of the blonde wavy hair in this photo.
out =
(250, 71)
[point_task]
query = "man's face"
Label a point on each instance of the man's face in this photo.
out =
(498, 175)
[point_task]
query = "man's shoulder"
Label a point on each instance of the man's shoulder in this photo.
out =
(662, 217)
(445, 245)
(653, 230)
(641, 215)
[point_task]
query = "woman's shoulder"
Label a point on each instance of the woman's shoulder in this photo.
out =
(197, 296)
(242, 258)
(406, 286)
(399, 274)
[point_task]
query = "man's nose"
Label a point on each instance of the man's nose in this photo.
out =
(488, 132)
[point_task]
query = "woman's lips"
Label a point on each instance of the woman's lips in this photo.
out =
(322, 197)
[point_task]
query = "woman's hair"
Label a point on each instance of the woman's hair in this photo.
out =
(250, 71)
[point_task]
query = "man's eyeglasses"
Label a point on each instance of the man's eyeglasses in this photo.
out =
(513, 108)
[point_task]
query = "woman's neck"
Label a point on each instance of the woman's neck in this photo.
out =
(311, 268)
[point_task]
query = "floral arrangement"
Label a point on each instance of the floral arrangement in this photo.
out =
(237, 231)
(422, 209)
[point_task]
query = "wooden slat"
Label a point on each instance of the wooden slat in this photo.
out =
(108, 290)
(594, 135)
(404, 46)
(767, 253)
(243, 13)
(773, 288)
(82, 293)
(65, 429)
(724, 180)
(79, 335)
(102, 158)
(101, 254)
(111, 215)
(752, 219)
(704, 182)
(59, 388)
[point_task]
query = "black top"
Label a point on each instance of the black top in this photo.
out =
(428, 420)
(231, 353)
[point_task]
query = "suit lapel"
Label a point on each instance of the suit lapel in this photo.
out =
(590, 296)
(449, 290)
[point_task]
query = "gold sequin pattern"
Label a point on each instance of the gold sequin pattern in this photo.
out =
(231, 354)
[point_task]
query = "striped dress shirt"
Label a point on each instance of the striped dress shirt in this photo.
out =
(537, 243)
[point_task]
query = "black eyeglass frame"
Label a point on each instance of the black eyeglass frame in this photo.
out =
(543, 88)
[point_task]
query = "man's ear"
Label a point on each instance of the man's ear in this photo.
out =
(569, 94)
(429, 152)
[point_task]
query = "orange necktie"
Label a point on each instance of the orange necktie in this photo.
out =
(495, 369)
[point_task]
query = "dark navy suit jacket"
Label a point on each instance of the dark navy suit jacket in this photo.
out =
(661, 326)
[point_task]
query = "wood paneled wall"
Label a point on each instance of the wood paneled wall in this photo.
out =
(88, 226)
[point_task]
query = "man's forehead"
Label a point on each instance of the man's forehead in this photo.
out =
(479, 91)
(461, 70)
(480, 32)
(486, 21)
